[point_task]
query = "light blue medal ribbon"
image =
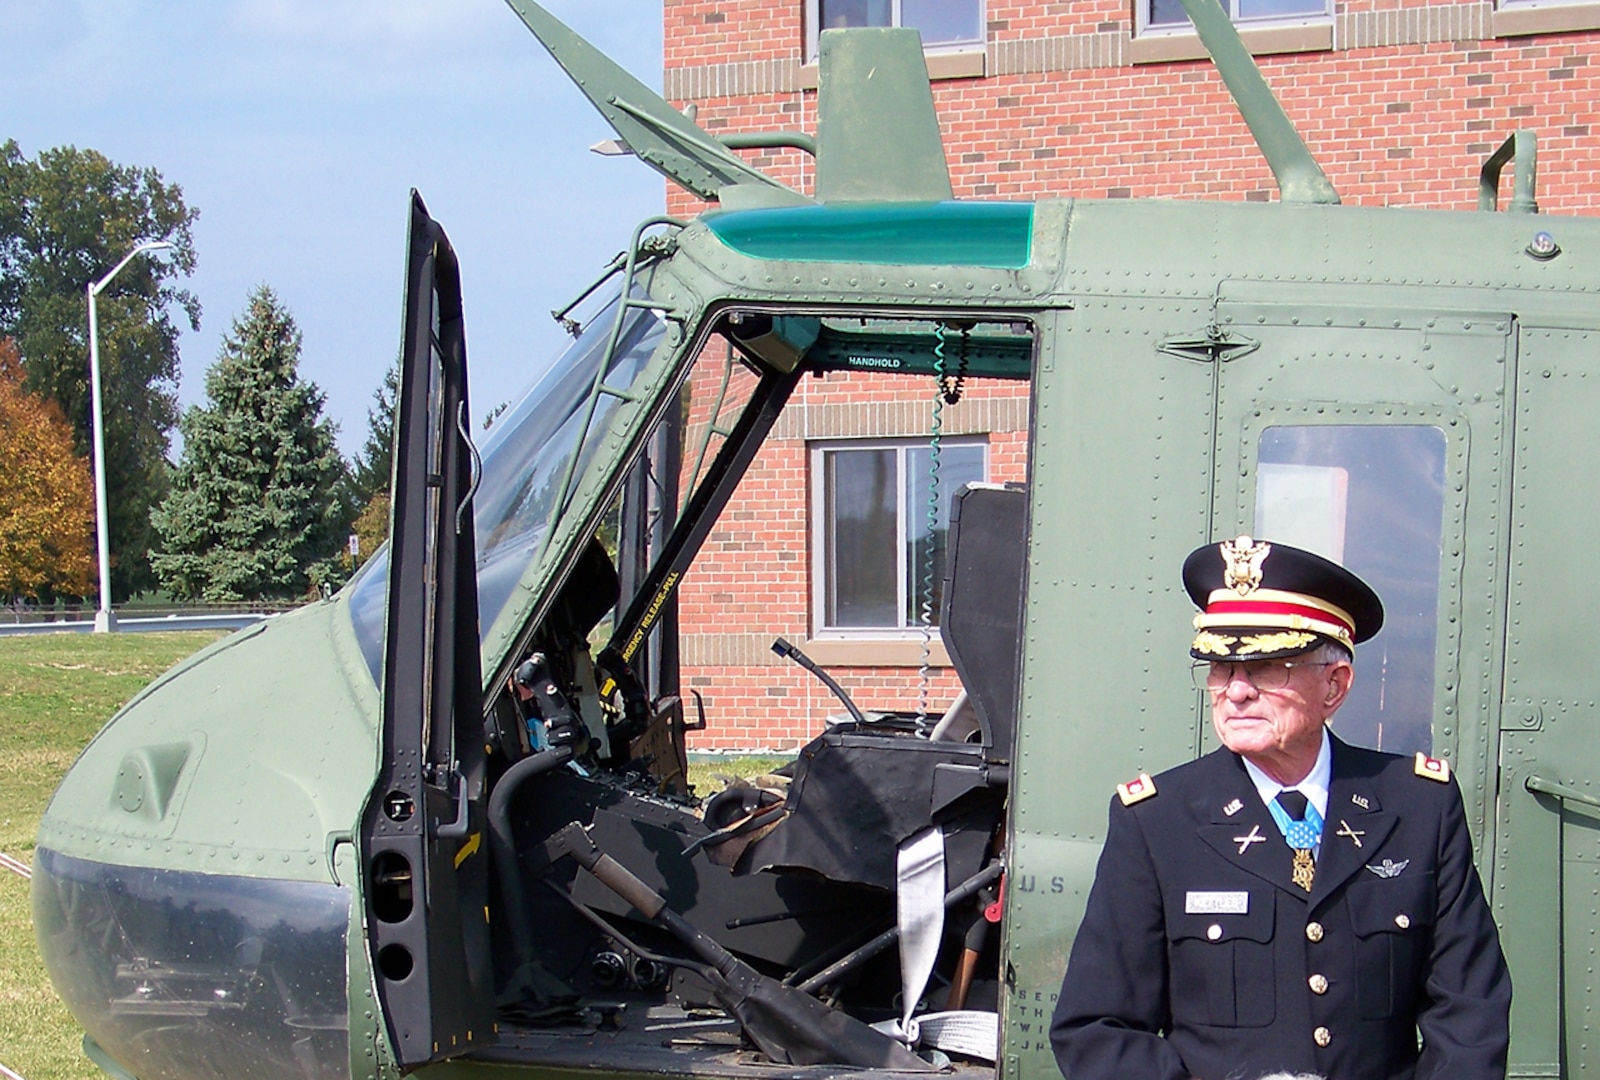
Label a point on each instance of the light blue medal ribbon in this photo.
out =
(1300, 835)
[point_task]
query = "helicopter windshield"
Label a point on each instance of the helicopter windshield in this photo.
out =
(528, 458)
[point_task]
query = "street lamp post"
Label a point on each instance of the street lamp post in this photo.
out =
(104, 621)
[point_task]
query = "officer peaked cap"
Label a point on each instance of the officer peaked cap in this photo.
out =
(1260, 600)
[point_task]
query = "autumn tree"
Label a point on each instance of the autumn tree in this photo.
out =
(66, 218)
(46, 498)
(372, 526)
(255, 510)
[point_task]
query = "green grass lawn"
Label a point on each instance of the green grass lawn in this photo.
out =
(56, 690)
(709, 773)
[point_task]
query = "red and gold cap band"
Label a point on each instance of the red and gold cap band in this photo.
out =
(1274, 608)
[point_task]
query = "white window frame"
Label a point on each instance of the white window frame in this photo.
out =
(814, 20)
(821, 561)
(1142, 16)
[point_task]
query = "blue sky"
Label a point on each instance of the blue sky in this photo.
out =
(298, 127)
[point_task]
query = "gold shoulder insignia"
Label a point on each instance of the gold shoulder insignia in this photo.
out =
(1433, 768)
(1136, 790)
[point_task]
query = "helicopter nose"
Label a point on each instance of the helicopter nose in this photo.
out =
(183, 974)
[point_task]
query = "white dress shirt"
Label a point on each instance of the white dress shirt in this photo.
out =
(1314, 787)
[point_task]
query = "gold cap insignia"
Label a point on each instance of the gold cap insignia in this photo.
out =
(1433, 768)
(1136, 790)
(1243, 557)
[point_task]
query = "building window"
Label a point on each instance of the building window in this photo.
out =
(1159, 15)
(871, 532)
(943, 24)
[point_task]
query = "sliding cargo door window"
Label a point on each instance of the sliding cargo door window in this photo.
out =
(1370, 497)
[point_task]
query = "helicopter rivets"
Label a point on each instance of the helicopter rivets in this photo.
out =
(1543, 246)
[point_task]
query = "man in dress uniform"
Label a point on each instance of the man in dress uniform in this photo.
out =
(1287, 903)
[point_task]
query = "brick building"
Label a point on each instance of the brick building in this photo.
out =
(1400, 102)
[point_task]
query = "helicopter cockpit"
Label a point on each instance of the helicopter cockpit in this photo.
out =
(885, 829)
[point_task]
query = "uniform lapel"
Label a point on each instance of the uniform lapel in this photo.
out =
(1354, 827)
(1247, 836)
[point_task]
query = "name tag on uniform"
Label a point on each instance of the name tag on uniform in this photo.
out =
(1216, 903)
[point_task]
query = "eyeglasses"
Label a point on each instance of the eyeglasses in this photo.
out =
(1262, 674)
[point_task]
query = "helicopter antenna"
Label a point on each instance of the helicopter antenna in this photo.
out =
(672, 143)
(1300, 178)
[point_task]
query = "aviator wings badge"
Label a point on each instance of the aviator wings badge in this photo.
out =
(1389, 868)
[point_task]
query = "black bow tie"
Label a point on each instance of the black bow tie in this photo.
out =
(1295, 803)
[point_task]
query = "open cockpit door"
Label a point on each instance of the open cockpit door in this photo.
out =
(425, 866)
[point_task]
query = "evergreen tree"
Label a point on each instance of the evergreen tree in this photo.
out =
(375, 462)
(67, 217)
(255, 510)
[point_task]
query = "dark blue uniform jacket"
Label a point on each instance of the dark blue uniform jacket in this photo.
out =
(1199, 957)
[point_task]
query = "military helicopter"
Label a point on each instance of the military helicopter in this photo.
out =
(439, 823)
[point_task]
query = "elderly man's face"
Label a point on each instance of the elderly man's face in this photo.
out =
(1279, 728)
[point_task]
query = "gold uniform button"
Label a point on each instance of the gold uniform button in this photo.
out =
(1322, 1036)
(1402, 921)
(1313, 931)
(1213, 932)
(1319, 984)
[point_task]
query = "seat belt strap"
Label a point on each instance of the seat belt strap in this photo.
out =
(919, 903)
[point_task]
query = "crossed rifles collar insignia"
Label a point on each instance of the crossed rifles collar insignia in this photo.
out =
(1252, 837)
(1355, 835)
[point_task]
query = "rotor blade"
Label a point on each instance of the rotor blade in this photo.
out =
(658, 134)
